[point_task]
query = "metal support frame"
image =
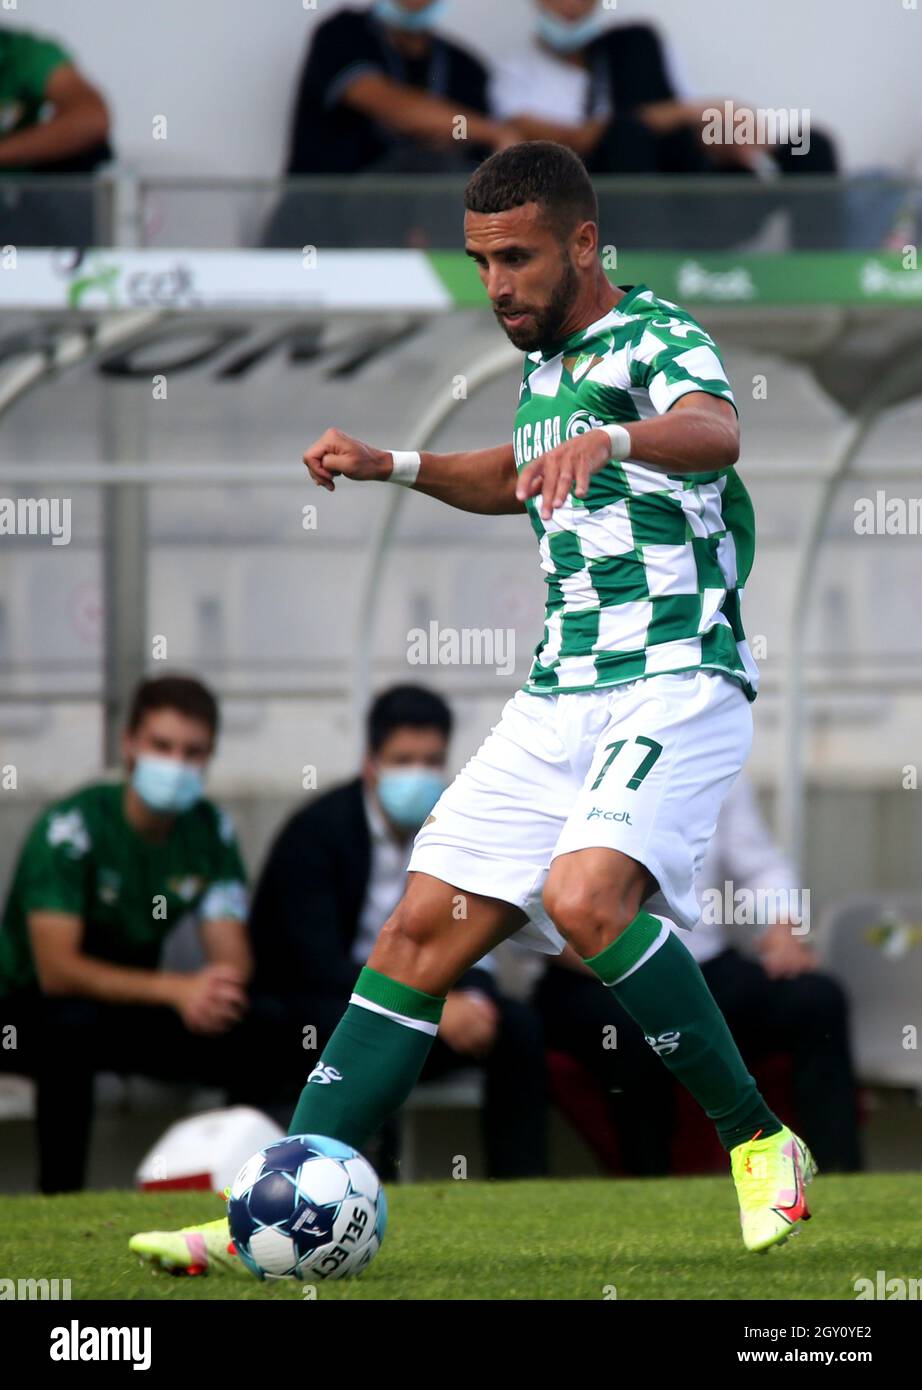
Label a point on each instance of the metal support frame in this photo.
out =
(124, 536)
(792, 791)
(124, 507)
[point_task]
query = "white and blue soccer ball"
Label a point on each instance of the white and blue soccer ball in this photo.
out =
(307, 1207)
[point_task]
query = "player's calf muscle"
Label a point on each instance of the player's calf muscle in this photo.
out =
(436, 933)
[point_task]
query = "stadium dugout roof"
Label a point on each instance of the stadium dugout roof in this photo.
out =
(852, 320)
(848, 331)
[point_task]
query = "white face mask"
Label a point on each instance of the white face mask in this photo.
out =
(408, 794)
(166, 784)
(413, 21)
(568, 35)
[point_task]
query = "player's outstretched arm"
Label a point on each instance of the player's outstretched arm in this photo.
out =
(482, 481)
(699, 434)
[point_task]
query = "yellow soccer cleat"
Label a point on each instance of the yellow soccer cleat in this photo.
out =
(205, 1249)
(771, 1177)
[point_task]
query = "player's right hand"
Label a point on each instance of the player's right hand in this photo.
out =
(784, 956)
(212, 999)
(336, 454)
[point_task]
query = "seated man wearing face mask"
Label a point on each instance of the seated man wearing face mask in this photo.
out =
(333, 877)
(382, 91)
(105, 875)
(617, 94)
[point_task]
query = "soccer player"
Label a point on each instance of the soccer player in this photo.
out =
(586, 813)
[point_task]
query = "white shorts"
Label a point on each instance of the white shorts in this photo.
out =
(642, 768)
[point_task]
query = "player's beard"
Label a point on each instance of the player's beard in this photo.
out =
(547, 322)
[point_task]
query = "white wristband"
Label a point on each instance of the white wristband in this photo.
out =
(406, 467)
(620, 442)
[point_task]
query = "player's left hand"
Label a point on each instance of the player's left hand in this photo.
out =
(782, 955)
(570, 465)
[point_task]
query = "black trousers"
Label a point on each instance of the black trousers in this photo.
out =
(514, 1115)
(578, 1015)
(690, 220)
(63, 1042)
(806, 1016)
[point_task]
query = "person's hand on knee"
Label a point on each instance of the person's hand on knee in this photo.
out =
(470, 1022)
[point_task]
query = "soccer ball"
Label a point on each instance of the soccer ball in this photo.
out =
(306, 1207)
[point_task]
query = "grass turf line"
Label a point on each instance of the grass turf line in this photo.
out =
(663, 1238)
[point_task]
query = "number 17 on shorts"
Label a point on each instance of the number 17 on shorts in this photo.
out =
(657, 778)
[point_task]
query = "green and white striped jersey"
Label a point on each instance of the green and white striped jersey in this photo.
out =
(645, 574)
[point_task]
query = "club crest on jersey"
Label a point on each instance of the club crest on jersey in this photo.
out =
(108, 886)
(582, 364)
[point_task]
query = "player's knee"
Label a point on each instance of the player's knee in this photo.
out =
(588, 919)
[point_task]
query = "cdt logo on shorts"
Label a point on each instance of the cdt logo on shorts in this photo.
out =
(598, 814)
(664, 1043)
(324, 1074)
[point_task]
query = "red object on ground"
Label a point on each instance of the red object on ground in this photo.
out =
(195, 1182)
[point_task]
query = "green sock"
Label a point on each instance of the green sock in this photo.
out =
(371, 1062)
(667, 995)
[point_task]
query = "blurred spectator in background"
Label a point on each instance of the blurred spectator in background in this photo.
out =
(777, 1002)
(617, 95)
(381, 91)
(52, 121)
(333, 877)
(105, 874)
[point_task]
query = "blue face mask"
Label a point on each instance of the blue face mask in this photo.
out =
(408, 794)
(413, 21)
(166, 784)
(567, 35)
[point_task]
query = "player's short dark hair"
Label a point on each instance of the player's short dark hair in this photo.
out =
(535, 171)
(183, 693)
(406, 706)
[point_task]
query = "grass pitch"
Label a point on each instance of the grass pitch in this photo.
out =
(664, 1238)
